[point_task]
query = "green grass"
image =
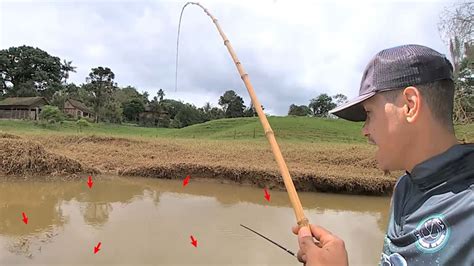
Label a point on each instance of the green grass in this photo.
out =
(304, 129)
(289, 128)
(68, 127)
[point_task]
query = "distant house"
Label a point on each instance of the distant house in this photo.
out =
(22, 107)
(77, 109)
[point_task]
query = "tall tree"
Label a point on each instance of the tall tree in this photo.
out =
(188, 115)
(59, 98)
(339, 98)
(212, 113)
(321, 105)
(299, 110)
(145, 96)
(456, 29)
(207, 107)
(171, 107)
(132, 109)
(232, 104)
(161, 94)
(67, 67)
(100, 84)
(28, 71)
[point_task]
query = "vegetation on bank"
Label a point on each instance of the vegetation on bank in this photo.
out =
(322, 154)
(301, 129)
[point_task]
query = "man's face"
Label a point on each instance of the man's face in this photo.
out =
(384, 128)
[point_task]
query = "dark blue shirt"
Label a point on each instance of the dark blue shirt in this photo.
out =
(432, 213)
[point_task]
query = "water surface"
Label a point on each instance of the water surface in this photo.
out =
(150, 221)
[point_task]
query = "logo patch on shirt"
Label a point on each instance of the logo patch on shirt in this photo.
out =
(432, 234)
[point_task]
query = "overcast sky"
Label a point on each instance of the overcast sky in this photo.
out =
(293, 50)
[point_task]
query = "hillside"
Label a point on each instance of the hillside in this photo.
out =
(304, 129)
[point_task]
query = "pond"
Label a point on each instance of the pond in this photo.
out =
(151, 221)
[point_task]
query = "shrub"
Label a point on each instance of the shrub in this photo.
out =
(51, 114)
(82, 123)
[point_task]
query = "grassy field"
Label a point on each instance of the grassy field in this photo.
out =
(301, 129)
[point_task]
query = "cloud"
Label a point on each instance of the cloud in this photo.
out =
(292, 50)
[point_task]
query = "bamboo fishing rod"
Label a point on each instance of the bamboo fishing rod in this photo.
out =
(290, 187)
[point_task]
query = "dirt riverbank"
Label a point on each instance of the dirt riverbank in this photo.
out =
(328, 167)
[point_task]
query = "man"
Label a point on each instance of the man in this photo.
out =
(406, 99)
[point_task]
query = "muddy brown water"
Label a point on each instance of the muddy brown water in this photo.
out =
(149, 222)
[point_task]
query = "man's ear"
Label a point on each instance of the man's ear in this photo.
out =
(411, 98)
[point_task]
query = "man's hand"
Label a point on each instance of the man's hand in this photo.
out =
(329, 251)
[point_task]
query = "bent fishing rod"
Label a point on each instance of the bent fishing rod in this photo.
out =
(290, 187)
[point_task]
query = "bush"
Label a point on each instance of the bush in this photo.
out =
(51, 114)
(70, 117)
(82, 123)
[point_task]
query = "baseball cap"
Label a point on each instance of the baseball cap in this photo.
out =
(395, 68)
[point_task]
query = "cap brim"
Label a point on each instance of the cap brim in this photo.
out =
(352, 110)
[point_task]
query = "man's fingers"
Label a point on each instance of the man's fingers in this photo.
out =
(295, 229)
(305, 239)
(301, 257)
(321, 234)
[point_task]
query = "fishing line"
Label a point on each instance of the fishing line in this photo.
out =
(273, 242)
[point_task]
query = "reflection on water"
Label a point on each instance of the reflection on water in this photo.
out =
(150, 221)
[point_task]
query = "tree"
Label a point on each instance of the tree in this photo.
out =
(232, 104)
(464, 94)
(299, 110)
(216, 113)
(131, 101)
(100, 84)
(145, 96)
(128, 93)
(51, 114)
(112, 112)
(81, 123)
(235, 108)
(212, 113)
(161, 94)
(207, 107)
(171, 107)
(321, 105)
(340, 98)
(456, 29)
(226, 98)
(132, 109)
(188, 115)
(28, 71)
(67, 67)
(59, 98)
(251, 111)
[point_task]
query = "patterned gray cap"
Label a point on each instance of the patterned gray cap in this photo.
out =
(394, 68)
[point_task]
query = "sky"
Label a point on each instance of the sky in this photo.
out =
(292, 50)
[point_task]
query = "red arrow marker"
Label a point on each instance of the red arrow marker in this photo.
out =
(194, 242)
(267, 196)
(96, 249)
(186, 180)
(90, 183)
(25, 218)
